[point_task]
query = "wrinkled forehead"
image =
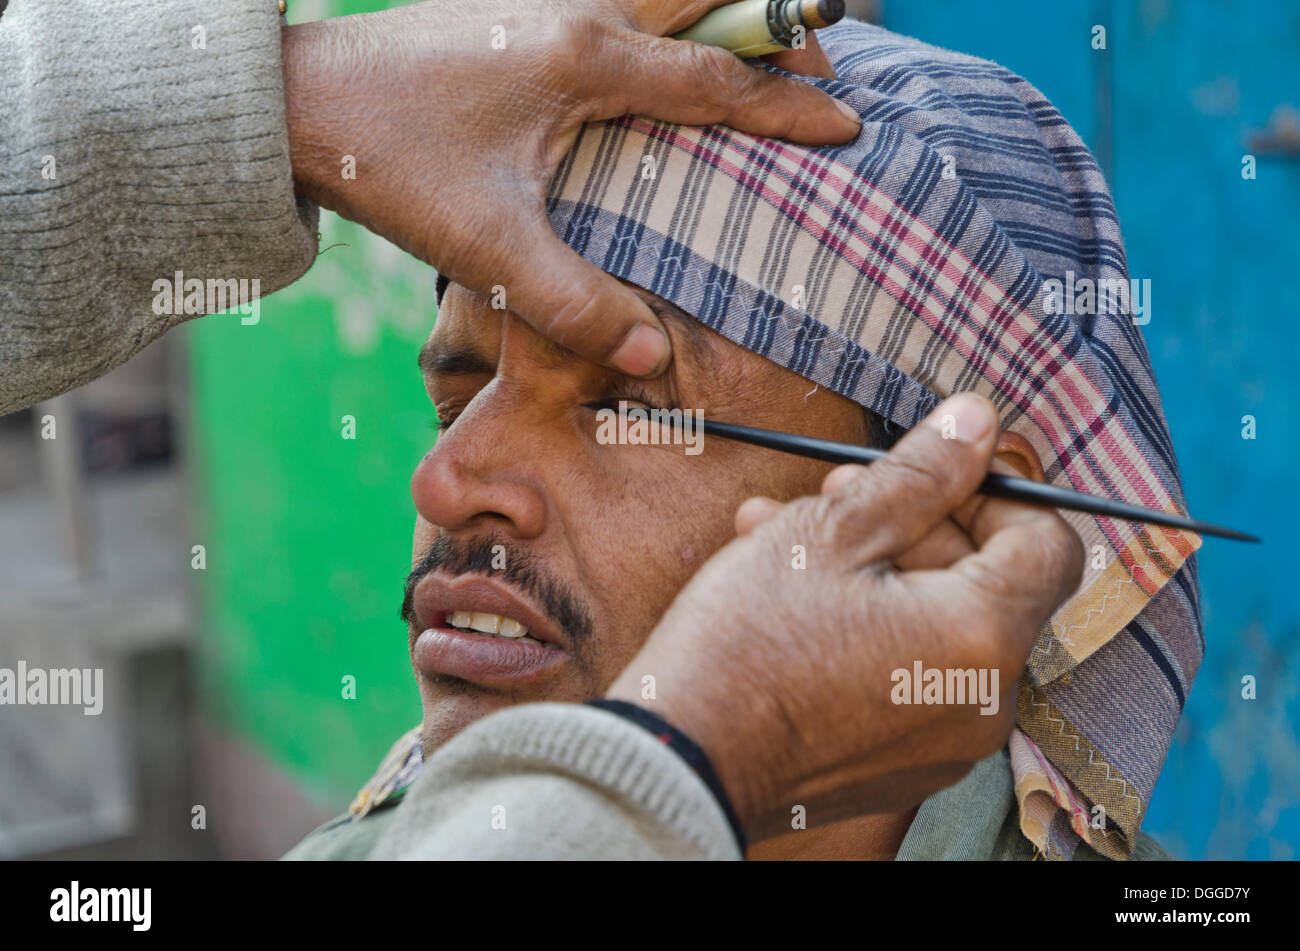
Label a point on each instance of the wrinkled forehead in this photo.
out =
(708, 372)
(467, 320)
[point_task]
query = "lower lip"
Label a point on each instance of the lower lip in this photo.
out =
(482, 659)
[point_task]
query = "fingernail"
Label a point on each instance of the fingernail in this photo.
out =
(849, 111)
(964, 417)
(645, 350)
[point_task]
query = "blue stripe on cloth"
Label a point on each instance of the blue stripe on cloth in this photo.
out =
(1149, 644)
(927, 240)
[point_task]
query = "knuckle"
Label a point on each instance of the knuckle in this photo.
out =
(815, 518)
(1070, 556)
(821, 523)
(842, 476)
(563, 44)
(565, 322)
(842, 520)
(724, 81)
(589, 37)
(990, 585)
(1056, 554)
(909, 479)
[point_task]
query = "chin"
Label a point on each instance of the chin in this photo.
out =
(451, 704)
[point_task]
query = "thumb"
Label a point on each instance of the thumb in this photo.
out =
(888, 508)
(809, 61)
(753, 512)
(579, 306)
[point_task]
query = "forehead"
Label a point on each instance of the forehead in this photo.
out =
(708, 372)
(466, 321)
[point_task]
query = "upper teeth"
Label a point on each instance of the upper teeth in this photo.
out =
(490, 624)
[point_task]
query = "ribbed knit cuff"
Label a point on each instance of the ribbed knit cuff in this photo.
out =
(144, 138)
(670, 811)
(683, 746)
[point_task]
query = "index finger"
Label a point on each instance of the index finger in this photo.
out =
(693, 84)
(891, 505)
(1027, 558)
(575, 303)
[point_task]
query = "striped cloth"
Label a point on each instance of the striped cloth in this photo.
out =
(914, 263)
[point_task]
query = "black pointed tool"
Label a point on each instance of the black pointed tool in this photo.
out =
(994, 484)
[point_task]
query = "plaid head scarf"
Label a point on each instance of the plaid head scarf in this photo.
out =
(949, 247)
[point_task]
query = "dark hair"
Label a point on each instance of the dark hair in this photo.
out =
(881, 433)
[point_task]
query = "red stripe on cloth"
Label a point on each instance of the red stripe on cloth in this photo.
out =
(1002, 313)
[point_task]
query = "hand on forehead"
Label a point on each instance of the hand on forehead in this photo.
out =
(708, 372)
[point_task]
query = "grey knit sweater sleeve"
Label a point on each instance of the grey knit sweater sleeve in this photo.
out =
(537, 781)
(138, 139)
(555, 781)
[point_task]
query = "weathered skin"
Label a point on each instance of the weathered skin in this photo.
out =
(455, 142)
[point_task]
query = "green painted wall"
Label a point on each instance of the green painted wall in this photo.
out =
(1177, 94)
(307, 533)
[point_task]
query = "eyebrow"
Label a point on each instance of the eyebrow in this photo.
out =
(464, 360)
(694, 334)
(435, 360)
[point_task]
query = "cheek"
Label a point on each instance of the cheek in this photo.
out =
(646, 536)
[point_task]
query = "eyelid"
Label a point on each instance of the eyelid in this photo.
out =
(458, 391)
(448, 411)
(628, 391)
(611, 402)
(450, 408)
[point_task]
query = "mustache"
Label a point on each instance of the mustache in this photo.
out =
(522, 571)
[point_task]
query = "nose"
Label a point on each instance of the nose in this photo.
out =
(480, 476)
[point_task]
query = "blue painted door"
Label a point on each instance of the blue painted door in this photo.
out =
(1181, 94)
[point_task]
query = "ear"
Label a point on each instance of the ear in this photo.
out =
(809, 61)
(1015, 450)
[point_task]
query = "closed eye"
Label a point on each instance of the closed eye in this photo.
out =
(448, 412)
(618, 403)
(631, 397)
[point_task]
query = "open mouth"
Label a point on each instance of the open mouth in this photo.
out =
(492, 625)
(481, 629)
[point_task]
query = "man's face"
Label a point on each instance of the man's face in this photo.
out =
(526, 518)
